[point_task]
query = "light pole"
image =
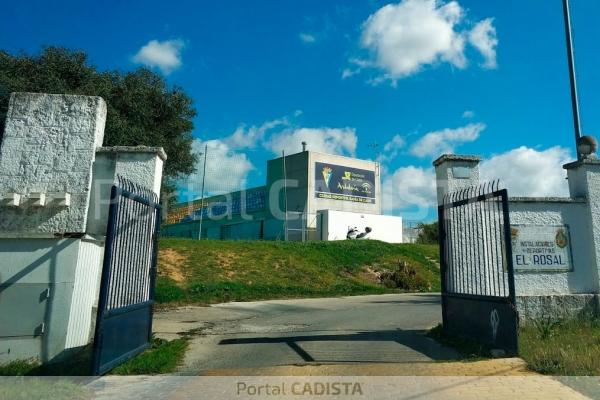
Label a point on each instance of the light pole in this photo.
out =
(285, 221)
(573, 80)
(202, 194)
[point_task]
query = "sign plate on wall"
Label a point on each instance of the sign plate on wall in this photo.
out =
(541, 247)
(337, 182)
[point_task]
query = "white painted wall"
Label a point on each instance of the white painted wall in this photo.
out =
(584, 181)
(333, 225)
(29, 267)
(86, 291)
(557, 212)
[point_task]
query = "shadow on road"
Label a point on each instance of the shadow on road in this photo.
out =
(413, 339)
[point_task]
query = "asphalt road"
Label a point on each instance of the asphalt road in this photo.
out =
(358, 329)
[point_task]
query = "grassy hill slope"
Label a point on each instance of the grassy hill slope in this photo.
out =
(201, 272)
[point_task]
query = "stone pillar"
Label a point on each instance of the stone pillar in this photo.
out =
(142, 165)
(46, 161)
(584, 181)
(454, 172)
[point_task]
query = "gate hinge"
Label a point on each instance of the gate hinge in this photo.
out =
(45, 295)
(40, 329)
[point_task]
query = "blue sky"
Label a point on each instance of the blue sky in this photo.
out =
(416, 77)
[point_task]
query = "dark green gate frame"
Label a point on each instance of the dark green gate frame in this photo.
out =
(478, 284)
(124, 319)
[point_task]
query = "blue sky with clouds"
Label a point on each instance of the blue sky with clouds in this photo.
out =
(398, 82)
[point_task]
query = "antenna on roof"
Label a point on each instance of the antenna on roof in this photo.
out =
(303, 146)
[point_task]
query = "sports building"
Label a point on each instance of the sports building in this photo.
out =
(307, 196)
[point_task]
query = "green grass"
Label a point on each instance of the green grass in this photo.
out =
(569, 347)
(77, 365)
(162, 358)
(18, 368)
(548, 346)
(204, 272)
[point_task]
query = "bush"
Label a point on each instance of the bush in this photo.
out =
(406, 277)
(428, 233)
(167, 291)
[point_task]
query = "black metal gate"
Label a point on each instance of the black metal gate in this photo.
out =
(478, 290)
(124, 320)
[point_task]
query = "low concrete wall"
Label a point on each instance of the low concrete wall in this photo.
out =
(37, 277)
(557, 306)
(557, 211)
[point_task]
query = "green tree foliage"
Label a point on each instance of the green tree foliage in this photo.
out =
(142, 109)
(428, 233)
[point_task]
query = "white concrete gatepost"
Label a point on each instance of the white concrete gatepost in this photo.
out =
(53, 220)
(141, 164)
(455, 172)
(548, 291)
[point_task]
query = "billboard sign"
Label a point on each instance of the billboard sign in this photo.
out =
(337, 182)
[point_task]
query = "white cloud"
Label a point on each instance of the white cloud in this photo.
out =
(165, 56)
(395, 144)
(324, 140)
(226, 170)
(410, 187)
(523, 171)
(436, 143)
(392, 148)
(348, 72)
(528, 172)
(483, 38)
(358, 65)
(250, 137)
(405, 37)
(468, 114)
(307, 38)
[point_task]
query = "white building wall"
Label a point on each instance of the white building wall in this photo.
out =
(300, 173)
(582, 278)
(333, 225)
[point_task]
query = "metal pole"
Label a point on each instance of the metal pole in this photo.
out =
(202, 195)
(285, 221)
(571, 60)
